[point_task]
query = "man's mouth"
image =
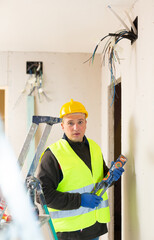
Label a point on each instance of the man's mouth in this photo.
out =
(76, 134)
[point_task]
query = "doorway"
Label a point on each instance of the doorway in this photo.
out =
(117, 152)
(114, 116)
(2, 105)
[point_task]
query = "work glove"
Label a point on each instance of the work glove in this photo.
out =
(90, 200)
(117, 172)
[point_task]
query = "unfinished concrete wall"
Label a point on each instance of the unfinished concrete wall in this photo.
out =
(136, 71)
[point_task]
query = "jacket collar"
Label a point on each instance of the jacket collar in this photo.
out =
(85, 141)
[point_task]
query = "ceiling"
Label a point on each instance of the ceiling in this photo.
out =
(58, 25)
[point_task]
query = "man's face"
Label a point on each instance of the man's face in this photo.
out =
(74, 126)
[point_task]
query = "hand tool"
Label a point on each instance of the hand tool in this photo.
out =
(109, 179)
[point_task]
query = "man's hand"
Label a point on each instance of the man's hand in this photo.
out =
(113, 175)
(117, 173)
(90, 200)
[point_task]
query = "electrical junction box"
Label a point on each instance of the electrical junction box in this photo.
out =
(34, 68)
(136, 26)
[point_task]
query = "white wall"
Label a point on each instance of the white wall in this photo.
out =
(65, 77)
(137, 73)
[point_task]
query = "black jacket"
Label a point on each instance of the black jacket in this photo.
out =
(50, 175)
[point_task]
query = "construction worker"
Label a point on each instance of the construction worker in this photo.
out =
(68, 171)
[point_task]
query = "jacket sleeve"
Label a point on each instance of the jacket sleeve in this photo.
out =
(50, 175)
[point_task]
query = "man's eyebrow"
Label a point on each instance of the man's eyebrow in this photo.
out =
(70, 120)
(81, 119)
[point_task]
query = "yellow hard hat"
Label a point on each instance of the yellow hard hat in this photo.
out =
(72, 107)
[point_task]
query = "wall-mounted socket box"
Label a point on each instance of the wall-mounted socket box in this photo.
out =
(34, 68)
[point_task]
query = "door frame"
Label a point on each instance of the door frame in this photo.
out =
(6, 108)
(111, 156)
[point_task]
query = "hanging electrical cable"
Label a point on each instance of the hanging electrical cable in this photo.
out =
(110, 47)
(34, 83)
(93, 55)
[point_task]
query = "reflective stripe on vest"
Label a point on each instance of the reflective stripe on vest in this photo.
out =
(76, 212)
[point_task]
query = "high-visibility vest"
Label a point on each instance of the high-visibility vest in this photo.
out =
(77, 178)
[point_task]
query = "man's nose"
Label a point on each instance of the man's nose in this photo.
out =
(75, 126)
